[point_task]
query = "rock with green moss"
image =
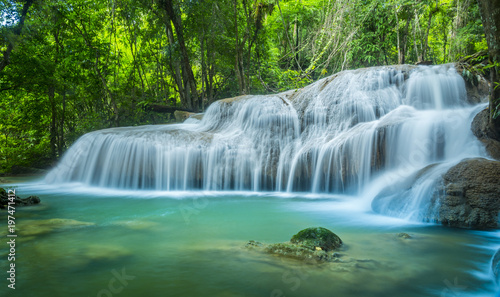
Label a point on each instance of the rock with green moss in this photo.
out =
(311, 244)
(291, 250)
(318, 237)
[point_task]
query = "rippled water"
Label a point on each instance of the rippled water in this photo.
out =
(193, 244)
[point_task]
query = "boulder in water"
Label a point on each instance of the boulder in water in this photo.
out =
(483, 130)
(319, 237)
(4, 200)
(311, 244)
(470, 195)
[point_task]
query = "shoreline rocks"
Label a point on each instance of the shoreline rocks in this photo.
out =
(469, 195)
(4, 200)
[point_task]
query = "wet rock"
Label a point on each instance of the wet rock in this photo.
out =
(469, 195)
(31, 200)
(181, 116)
(311, 238)
(487, 134)
(4, 200)
(198, 116)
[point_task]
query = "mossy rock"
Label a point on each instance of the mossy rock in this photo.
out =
(299, 252)
(318, 237)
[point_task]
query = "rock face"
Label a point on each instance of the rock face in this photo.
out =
(486, 134)
(470, 195)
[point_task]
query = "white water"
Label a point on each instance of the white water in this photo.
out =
(357, 132)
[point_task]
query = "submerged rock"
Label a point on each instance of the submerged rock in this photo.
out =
(469, 195)
(105, 252)
(253, 243)
(291, 250)
(394, 199)
(39, 227)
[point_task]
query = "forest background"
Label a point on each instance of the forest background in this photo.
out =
(74, 66)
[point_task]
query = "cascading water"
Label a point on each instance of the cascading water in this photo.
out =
(338, 135)
(382, 137)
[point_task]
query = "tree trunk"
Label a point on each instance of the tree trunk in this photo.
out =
(190, 91)
(397, 35)
(426, 37)
(415, 23)
(238, 62)
(404, 47)
(53, 128)
(490, 15)
(175, 66)
(60, 145)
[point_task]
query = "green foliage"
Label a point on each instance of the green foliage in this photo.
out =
(495, 113)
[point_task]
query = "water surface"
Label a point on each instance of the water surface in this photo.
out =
(193, 244)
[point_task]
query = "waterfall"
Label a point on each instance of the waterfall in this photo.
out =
(337, 135)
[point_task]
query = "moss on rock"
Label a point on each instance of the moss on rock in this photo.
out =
(318, 237)
(291, 250)
(311, 244)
